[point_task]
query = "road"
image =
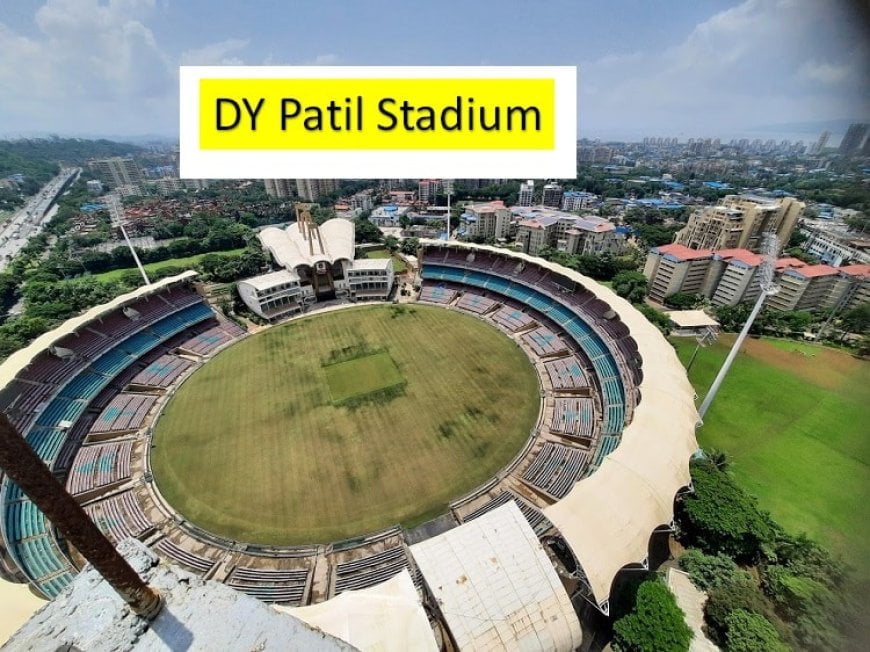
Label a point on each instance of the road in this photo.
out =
(32, 218)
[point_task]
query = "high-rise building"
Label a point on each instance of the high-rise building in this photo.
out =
(314, 189)
(552, 197)
(280, 188)
(855, 139)
(739, 223)
(578, 200)
(527, 193)
(117, 171)
(821, 143)
(427, 189)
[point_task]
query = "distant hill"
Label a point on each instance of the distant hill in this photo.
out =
(37, 158)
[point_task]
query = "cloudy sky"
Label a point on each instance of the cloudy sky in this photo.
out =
(683, 68)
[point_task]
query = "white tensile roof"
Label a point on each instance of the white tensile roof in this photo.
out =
(270, 280)
(290, 247)
(496, 587)
(387, 617)
(691, 319)
(607, 518)
(21, 358)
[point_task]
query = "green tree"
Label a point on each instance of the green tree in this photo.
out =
(749, 632)
(718, 516)
(857, 319)
(708, 571)
(683, 300)
(659, 319)
(391, 243)
(738, 591)
(409, 246)
(365, 231)
(655, 625)
(631, 286)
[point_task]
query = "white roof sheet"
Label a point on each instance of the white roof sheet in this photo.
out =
(691, 318)
(266, 281)
(607, 518)
(387, 617)
(372, 263)
(290, 248)
(496, 587)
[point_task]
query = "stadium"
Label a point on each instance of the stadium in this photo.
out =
(577, 499)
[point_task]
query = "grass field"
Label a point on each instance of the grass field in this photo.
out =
(794, 418)
(253, 447)
(398, 264)
(187, 262)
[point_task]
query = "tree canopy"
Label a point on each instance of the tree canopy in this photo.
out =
(656, 624)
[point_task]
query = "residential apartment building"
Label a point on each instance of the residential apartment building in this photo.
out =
(577, 200)
(490, 220)
(280, 188)
(739, 222)
(852, 288)
(676, 268)
(526, 195)
(731, 276)
(427, 189)
(804, 288)
(314, 189)
(835, 247)
(552, 196)
(540, 227)
(117, 172)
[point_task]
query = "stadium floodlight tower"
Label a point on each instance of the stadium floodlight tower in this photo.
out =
(116, 212)
(448, 187)
(770, 247)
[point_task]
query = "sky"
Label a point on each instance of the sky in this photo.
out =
(684, 68)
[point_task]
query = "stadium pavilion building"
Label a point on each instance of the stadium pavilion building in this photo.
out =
(317, 265)
(509, 565)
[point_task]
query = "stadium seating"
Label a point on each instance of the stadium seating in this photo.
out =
(476, 303)
(572, 416)
(555, 468)
(49, 403)
(126, 412)
(184, 557)
(368, 571)
(270, 585)
(120, 517)
(162, 372)
(99, 465)
(566, 374)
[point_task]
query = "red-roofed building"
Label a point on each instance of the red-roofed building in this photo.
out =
(675, 268)
(852, 287)
(784, 263)
(732, 277)
(804, 288)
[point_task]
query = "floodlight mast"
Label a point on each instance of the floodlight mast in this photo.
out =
(116, 211)
(449, 184)
(770, 247)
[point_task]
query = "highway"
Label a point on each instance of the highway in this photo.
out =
(32, 218)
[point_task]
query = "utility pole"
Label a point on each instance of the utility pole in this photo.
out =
(767, 287)
(24, 467)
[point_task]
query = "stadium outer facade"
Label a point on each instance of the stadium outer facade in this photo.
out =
(606, 519)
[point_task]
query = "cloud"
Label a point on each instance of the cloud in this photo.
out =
(759, 62)
(824, 72)
(88, 60)
(215, 54)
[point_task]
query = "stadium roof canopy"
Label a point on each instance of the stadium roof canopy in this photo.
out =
(608, 517)
(496, 587)
(386, 617)
(331, 241)
(21, 358)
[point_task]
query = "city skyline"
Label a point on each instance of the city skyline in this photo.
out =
(783, 69)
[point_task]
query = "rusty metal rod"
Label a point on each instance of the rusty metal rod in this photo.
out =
(23, 466)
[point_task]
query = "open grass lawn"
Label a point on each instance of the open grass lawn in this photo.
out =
(399, 266)
(186, 262)
(253, 447)
(795, 420)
